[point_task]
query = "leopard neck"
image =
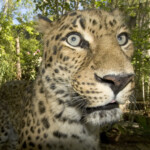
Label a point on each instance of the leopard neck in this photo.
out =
(62, 120)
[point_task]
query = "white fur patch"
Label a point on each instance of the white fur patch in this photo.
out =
(102, 117)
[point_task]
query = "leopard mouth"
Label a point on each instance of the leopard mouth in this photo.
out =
(105, 107)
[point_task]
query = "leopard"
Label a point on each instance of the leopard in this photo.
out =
(85, 78)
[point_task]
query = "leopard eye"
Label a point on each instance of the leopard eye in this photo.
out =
(122, 39)
(74, 39)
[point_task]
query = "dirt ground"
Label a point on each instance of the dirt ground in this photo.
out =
(130, 138)
(129, 143)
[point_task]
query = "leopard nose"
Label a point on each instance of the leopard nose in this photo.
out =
(116, 82)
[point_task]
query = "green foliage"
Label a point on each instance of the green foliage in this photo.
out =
(30, 49)
(29, 42)
(53, 7)
(103, 4)
(7, 47)
(140, 36)
(144, 122)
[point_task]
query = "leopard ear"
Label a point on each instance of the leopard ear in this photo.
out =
(130, 21)
(118, 14)
(43, 24)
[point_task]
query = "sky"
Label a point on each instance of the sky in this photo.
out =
(0, 5)
(22, 11)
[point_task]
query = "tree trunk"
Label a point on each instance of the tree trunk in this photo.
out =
(143, 91)
(18, 65)
(6, 6)
(148, 90)
(93, 3)
(76, 4)
(56, 11)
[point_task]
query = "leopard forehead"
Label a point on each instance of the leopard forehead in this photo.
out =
(97, 27)
(97, 23)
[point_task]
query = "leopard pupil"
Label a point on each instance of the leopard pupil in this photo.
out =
(120, 38)
(73, 38)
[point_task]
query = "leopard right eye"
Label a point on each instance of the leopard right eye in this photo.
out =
(74, 39)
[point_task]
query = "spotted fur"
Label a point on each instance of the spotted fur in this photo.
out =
(79, 88)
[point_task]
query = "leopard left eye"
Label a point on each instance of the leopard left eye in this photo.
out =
(123, 39)
(74, 39)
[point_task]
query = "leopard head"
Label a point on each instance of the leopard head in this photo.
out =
(90, 52)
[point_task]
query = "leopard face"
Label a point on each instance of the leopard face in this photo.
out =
(91, 56)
